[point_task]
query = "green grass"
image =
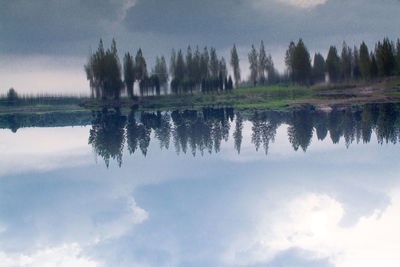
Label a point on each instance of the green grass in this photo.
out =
(276, 97)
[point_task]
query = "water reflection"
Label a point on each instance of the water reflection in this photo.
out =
(202, 131)
(330, 206)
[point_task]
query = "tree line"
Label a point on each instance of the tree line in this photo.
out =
(201, 71)
(350, 64)
(205, 72)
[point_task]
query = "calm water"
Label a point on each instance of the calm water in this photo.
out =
(215, 187)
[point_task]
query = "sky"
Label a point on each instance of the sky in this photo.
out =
(330, 206)
(45, 43)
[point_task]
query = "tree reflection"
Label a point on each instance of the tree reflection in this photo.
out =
(300, 131)
(107, 135)
(264, 129)
(204, 131)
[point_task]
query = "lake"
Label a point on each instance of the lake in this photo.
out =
(210, 187)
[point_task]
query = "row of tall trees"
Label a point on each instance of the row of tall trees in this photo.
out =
(135, 70)
(350, 64)
(104, 72)
(204, 71)
(198, 71)
(261, 66)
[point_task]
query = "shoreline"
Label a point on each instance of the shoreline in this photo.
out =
(278, 97)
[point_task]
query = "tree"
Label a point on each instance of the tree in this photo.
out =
(103, 70)
(230, 83)
(223, 73)
(214, 64)
(289, 59)
(113, 83)
(179, 73)
(172, 63)
(301, 64)
(374, 69)
(161, 71)
(129, 73)
(384, 53)
(365, 62)
(222, 67)
(235, 66)
(141, 66)
(12, 96)
(398, 56)
(180, 67)
(196, 66)
(190, 68)
(333, 65)
(318, 70)
(204, 64)
(356, 64)
(253, 61)
(262, 64)
(346, 61)
(272, 72)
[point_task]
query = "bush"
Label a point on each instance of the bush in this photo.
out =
(12, 96)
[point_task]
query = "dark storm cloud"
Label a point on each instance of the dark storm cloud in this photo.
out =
(45, 25)
(244, 21)
(72, 26)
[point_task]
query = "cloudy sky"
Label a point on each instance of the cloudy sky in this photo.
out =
(45, 43)
(330, 206)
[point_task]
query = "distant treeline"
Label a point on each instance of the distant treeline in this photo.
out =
(205, 72)
(199, 132)
(12, 98)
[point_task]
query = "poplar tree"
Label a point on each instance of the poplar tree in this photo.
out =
(384, 53)
(398, 56)
(235, 66)
(129, 73)
(190, 70)
(346, 61)
(318, 69)
(196, 65)
(141, 66)
(333, 65)
(356, 64)
(172, 63)
(262, 64)
(103, 70)
(301, 64)
(204, 64)
(374, 69)
(161, 71)
(214, 64)
(365, 62)
(253, 61)
(289, 59)
(180, 67)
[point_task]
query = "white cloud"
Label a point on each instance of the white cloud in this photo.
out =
(312, 223)
(304, 3)
(126, 5)
(62, 256)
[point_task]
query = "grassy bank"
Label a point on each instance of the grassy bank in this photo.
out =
(277, 97)
(40, 104)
